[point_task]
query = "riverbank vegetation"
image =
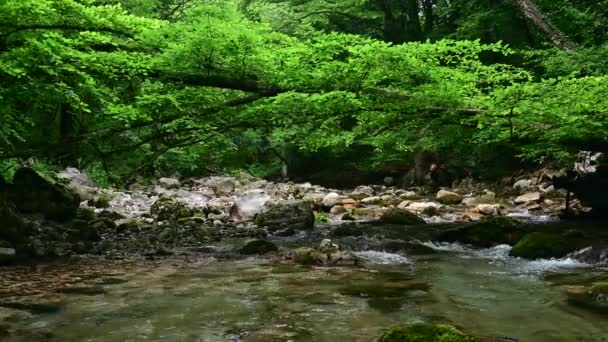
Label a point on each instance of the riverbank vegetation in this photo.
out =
(127, 88)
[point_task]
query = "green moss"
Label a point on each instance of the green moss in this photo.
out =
(544, 245)
(400, 216)
(425, 333)
(379, 290)
(487, 233)
(600, 288)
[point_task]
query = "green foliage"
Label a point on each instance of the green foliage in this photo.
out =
(425, 333)
(222, 86)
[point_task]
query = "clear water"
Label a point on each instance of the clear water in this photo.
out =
(486, 293)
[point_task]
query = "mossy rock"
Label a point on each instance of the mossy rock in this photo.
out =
(168, 209)
(401, 216)
(295, 214)
(307, 256)
(258, 246)
(425, 333)
(32, 193)
(487, 233)
(545, 245)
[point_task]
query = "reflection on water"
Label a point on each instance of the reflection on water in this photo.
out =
(485, 292)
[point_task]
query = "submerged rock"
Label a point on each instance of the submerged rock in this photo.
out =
(424, 332)
(594, 298)
(487, 233)
(258, 246)
(400, 216)
(296, 215)
(545, 245)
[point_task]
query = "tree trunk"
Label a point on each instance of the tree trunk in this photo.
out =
(532, 13)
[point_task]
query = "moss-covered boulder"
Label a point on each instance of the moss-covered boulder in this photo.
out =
(487, 233)
(545, 245)
(425, 333)
(168, 209)
(401, 216)
(294, 214)
(258, 246)
(448, 197)
(32, 193)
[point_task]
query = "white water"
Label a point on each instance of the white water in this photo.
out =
(499, 255)
(381, 258)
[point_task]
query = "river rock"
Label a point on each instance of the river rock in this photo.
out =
(293, 214)
(372, 200)
(222, 185)
(400, 216)
(421, 207)
(168, 209)
(337, 209)
(487, 233)
(545, 245)
(448, 197)
(331, 199)
(488, 209)
(488, 197)
(169, 183)
(522, 184)
(258, 246)
(528, 197)
(363, 190)
(32, 194)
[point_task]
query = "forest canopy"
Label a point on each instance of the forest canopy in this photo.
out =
(126, 88)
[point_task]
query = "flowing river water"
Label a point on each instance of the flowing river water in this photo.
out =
(484, 292)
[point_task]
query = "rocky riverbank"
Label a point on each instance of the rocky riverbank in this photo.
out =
(72, 216)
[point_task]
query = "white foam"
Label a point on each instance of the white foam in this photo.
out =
(381, 258)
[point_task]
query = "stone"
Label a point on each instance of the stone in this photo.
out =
(487, 233)
(400, 216)
(423, 332)
(292, 214)
(348, 217)
(32, 193)
(448, 197)
(422, 206)
(364, 190)
(223, 186)
(545, 245)
(169, 183)
(488, 197)
(488, 209)
(528, 197)
(258, 246)
(404, 204)
(168, 209)
(331, 199)
(372, 200)
(522, 184)
(593, 297)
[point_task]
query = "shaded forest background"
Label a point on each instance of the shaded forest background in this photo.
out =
(341, 92)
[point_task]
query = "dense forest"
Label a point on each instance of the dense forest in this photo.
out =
(329, 89)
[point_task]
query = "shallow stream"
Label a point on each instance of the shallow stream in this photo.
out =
(484, 292)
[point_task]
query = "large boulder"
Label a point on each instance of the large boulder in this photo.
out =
(448, 197)
(400, 216)
(487, 233)
(423, 332)
(545, 245)
(32, 193)
(331, 199)
(169, 183)
(293, 214)
(222, 185)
